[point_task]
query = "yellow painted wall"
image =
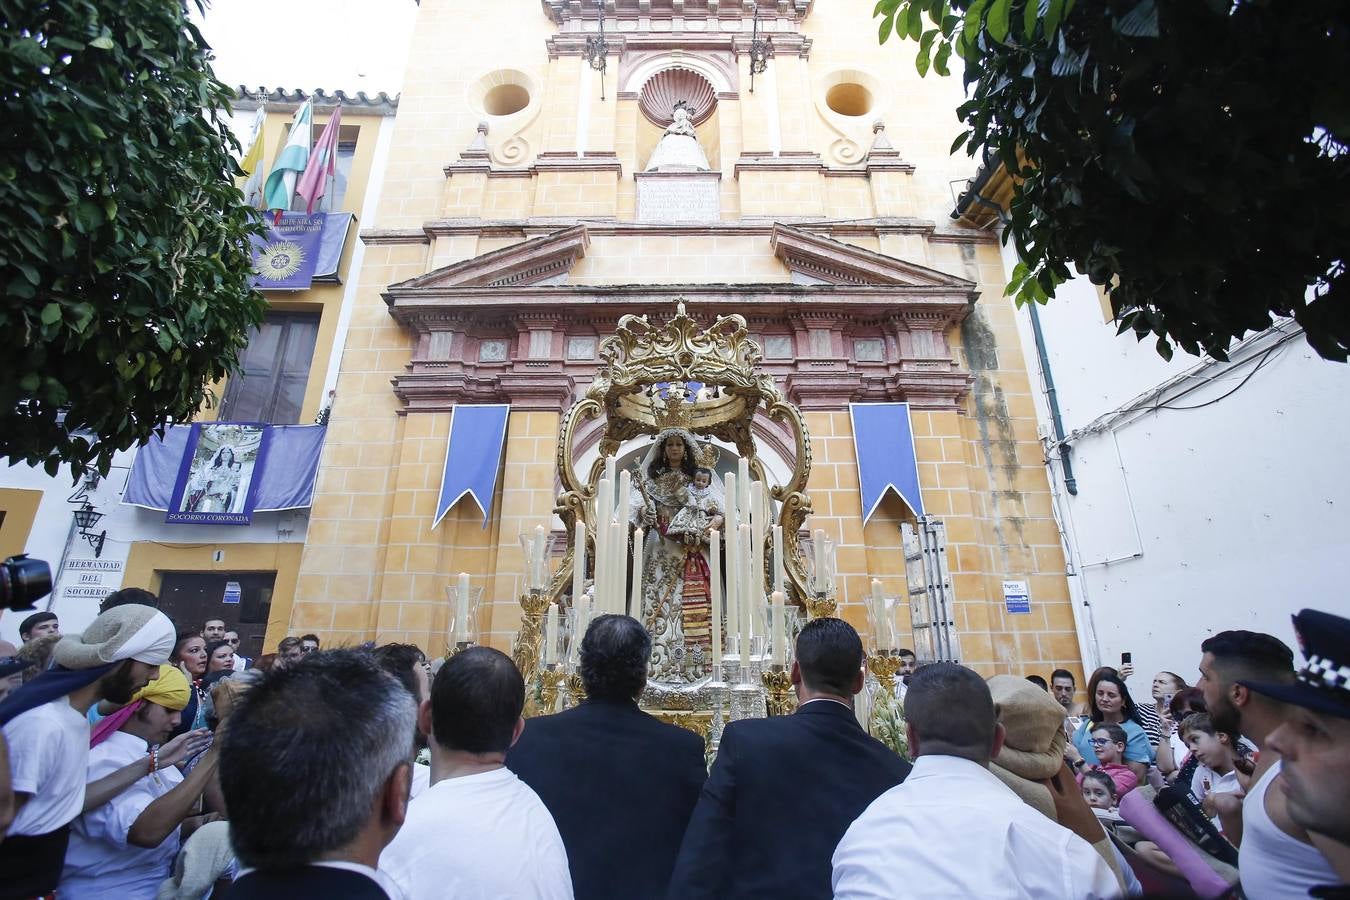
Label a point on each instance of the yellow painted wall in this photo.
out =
(20, 508)
(374, 567)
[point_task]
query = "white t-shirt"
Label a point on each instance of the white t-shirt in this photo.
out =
(954, 830)
(48, 753)
(479, 837)
(99, 862)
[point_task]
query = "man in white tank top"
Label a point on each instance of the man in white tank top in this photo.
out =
(1314, 741)
(1277, 857)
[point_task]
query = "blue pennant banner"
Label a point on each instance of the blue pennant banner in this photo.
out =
(884, 442)
(473, 456)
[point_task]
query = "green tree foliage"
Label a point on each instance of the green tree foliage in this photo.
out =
(124, 252)
(1189, 156)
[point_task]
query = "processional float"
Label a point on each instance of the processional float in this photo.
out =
(670, 378)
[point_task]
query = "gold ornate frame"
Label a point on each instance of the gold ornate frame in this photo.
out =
(722, 356)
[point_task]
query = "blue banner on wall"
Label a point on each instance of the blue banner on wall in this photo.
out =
(217, 480)
(472, 457)
(285, 258)
(884, 442)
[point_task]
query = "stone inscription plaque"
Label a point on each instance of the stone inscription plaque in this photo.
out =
(679, 198)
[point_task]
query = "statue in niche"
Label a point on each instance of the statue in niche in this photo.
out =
(679, 149)
(679, 499)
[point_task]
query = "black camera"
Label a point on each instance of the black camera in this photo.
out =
(23, 582)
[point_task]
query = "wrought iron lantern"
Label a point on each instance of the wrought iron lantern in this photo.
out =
(86, 517)
(597, 48)
(761, 48)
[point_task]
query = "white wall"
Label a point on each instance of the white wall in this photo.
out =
(1192, 521)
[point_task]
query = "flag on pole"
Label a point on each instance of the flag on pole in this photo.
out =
(322, 163)
(290, 163)
(252, 161)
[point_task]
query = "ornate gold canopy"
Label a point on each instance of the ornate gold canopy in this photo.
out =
(679, 375)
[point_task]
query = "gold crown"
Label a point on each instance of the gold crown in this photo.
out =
(671, 407)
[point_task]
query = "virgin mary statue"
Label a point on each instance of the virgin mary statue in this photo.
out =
(678, 502)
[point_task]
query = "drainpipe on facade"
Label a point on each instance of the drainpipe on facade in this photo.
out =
(1065, 461)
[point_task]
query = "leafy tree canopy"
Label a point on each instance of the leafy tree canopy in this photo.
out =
(1189, 156)
(124, 252)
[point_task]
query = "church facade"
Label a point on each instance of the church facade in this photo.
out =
(532, 197)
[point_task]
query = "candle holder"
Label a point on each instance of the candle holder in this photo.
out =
(717, 692)
(550, 678)
(821, 605)
(575, 689)
(462, 624)
(526, 648)
(458, 647)
(746, 700)
(884, 664)
(778, 691)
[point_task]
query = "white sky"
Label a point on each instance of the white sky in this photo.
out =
(351, 45)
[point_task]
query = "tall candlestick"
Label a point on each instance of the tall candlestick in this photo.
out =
(743, 615)
(621, 541)
(610, 464)
(715, 590)
(549, 653)
(832, 562)
(578, 562)
(540, 561)
(604, 504)
(818, 545)
(758, 535)
(880, 618)
(733, 568)
(779, 575)
(635, 603)
(779, 630)
(743, 489)
(747, 592)
(581, 618)
(462, 609)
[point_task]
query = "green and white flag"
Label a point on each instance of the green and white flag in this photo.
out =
(280, 185)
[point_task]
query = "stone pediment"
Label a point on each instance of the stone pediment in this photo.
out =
(820, 260)
(537, 261)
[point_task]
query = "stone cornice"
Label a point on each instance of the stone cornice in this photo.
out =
(529, 261)
(570, 12)
(834, 261)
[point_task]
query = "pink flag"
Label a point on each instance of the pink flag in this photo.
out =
(322, 164)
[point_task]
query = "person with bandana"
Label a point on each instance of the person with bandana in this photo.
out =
(124, 848)
(44, 724)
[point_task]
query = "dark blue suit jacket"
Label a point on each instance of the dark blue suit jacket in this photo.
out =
(306, 883)
(780, 796)
(620, 785)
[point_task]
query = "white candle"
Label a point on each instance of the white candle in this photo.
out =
(743, 489)
(742, 615)
(620, 596)
(779, 576)
(880, 616)
(758, 535)
(818, 545)
(635, 603)
(604, 503)
(747, 589)
(540, 560)
(779, 628)
(715, 593)
(732, 567)
(549, 654)
(578, 562)
(462, 609)
(610, 463)
(832, 562)
(581, 617)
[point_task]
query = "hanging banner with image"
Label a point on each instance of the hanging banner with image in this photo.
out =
(285, 259)
(216, 483)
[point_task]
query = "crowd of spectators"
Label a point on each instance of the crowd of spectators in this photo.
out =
(145, 760)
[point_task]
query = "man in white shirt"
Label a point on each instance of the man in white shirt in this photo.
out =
(952, 829)
(123, 849)
(479, 832)
(44, 723)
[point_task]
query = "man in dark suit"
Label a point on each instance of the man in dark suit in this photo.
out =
(619, 783)
(315, 768)
(785, 789)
